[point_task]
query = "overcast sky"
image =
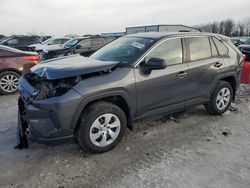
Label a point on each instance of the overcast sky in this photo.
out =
(60, 17)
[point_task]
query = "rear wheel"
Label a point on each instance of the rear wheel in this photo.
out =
(220, 99)
(102, 127)
(9, 82)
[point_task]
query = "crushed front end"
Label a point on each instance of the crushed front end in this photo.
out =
(45, 109)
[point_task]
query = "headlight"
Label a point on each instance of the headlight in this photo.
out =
(54, 88)
(51, 88)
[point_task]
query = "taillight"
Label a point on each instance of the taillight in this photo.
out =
(32, 58)
(244, 57)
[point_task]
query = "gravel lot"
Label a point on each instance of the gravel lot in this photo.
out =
(191, 149)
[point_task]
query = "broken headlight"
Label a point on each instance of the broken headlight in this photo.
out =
(54, 88)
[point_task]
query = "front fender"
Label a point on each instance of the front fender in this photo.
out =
(98, 96)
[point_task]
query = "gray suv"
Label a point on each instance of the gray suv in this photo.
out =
(94, 99)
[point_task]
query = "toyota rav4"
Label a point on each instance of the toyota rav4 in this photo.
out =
(136, 76)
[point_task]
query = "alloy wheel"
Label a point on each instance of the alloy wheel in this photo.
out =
(223, 98)
(105, 130)
(9, 83)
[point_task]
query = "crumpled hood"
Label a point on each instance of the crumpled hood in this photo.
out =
(70, 66)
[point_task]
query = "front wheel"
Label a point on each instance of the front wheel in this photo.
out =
(221, 99)
(102, 127)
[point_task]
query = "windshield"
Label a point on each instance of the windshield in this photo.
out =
(124, 50)
(247, 41)
(71, 42)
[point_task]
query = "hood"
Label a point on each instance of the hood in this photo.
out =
(70, 66)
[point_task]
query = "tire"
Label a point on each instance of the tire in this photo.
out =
(98, 123)
(9, 82)
(221, 99)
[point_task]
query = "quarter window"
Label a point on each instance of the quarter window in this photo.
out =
(220, 46)
(169, 50)
(213, 48)
(199, 48)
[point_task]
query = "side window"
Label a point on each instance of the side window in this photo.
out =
(213, 48)
(97, 42)
(64, 40)
(12, 42)
(24, 41)
(199, 48)
(85, 43)
(169, 50)
(220, 46)
(56, 41)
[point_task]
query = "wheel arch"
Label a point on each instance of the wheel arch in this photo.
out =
(118, 98)
(11, 69)
(231, 79)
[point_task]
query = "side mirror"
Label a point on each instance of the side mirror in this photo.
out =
(78, 46)
(153, 64)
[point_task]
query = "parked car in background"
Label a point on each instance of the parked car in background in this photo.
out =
(245, 49)
(2, 36)
(44, 38)
(21, 42)
(2, 39)
(136, 76)
(49, 42)
(13, 63)
(236, 41)
(81, 45)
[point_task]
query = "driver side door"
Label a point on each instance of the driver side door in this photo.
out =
(162, 90)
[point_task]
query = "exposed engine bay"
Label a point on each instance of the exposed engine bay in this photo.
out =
(52, 88)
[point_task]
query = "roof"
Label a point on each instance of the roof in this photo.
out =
(162, 25)
(159, 35)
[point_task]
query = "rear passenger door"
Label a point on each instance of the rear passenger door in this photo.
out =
(204, 65)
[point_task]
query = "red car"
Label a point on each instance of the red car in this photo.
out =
(14, 63)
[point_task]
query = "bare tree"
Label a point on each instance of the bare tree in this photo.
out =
(246, 23)
(228, 27)
(221, 27)
(215, 27)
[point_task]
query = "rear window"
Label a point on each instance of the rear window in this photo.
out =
(199, 48)
(223, 50)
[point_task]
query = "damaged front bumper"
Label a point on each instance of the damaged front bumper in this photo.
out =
(45, 121)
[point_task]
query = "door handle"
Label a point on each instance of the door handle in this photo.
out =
(218, 64)
(181, 74)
